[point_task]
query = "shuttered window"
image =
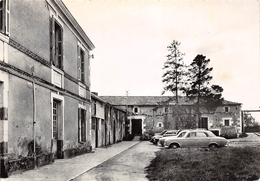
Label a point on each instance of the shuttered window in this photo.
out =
(4, 16)
(81, 64)
(82, 125)
(56, 43)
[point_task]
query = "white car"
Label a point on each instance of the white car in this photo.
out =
(195, 138)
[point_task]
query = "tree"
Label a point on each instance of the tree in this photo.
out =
(174, 72)
(249, 120)
(199, 86)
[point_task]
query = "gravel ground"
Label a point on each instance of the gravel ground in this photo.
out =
(251, 140)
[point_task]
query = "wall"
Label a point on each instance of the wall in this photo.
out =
(167, 118)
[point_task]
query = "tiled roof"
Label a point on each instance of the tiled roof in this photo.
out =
(152, 100)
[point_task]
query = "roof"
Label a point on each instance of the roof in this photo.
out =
(97, 98)
(74, 23)
(152, 100)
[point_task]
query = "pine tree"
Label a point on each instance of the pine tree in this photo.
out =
(173, 77)
(174, 70)
(199, 85)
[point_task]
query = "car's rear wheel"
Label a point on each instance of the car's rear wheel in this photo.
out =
(213, 145)
(174, 146)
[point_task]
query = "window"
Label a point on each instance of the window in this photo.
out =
(82, 125)
(4, 16)
(55, 120)
(181, 134)
(160, 125)
(93, 126)
(226, 122)
(56, 42)
(201, 134)
(226, 109)
(135, 110)
(191, 135)
(81, 64)
(94, 108)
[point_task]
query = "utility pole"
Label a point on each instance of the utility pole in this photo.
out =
(34, 118)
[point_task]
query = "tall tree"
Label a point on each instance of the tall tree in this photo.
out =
(174, 70)
(200, 87)
(174, 74)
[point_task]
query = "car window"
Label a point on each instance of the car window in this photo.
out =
(210, 134)
(181, 134)
(201, 134)
(191, 135)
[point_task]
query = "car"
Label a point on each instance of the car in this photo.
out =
(195, 138)
(156, 137)
(162, 140)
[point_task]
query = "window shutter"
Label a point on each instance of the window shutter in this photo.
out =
(79, 124)
(2, 16)
(5, 16)
(79, 62)
(83, 67)
(60, 49)
(52, 39)
(87, 71)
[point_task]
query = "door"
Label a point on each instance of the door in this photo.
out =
(190, 140)
(203, 123)
(97, 127)
(114, 132)
(203, 139)
(55, 119)
(137, 126)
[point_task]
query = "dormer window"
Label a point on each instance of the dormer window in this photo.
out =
(226, 109)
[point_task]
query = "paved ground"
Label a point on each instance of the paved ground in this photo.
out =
(67, 169)
(251, 140)
(79, 167)
(127, 166)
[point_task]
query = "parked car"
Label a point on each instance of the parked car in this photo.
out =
(156, 138)
(195, 138)
(162, 140)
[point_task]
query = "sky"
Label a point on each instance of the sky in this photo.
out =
(131, 39)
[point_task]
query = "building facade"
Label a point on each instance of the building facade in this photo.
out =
(108, 122)
(156, 113)
(45, 99)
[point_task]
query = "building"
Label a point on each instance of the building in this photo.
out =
(45, 99)
(157, 113)
(108, 122)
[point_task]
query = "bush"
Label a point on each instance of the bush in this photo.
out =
(229, 132)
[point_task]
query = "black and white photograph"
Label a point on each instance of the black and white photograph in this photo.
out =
(129, 90)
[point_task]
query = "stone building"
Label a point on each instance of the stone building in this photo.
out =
(157, 113)
(45, 99)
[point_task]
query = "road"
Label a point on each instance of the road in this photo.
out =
(251, 140)
(127, 166)
(130, 164)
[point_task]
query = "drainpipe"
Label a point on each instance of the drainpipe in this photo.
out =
(34, 117)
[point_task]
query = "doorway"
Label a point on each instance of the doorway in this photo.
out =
(137, 126)
(97, 128)
(203, 122)
(57, 141)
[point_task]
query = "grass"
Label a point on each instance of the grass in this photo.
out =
(223, 164)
